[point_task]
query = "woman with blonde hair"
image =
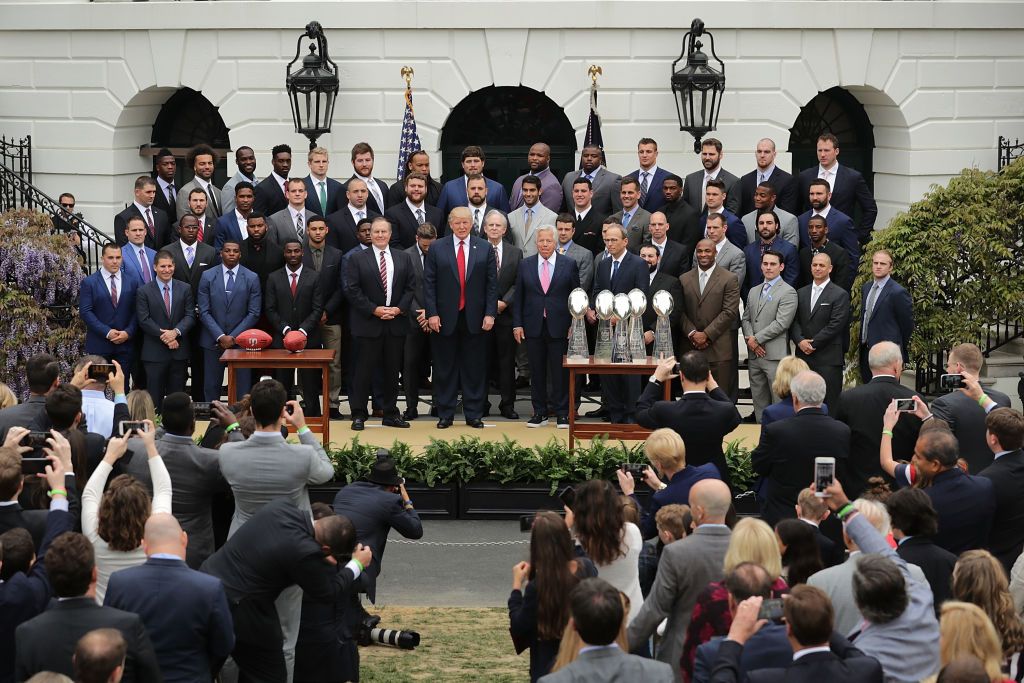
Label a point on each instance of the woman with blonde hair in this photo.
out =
(979, 578)
(789, 367)
(7, 397)
(754, 541)
(140, 405)
(965, 631)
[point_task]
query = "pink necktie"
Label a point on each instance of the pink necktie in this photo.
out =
(545, 276)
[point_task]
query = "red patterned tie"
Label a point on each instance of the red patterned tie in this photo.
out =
(384, 276)
(113, 291)
(295, 283)
(460, 258)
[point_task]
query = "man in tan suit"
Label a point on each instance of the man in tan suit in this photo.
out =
(711, 305)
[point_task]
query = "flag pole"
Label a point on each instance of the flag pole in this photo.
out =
(409, 140)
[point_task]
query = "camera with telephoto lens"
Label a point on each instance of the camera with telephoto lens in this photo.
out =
(371, 634)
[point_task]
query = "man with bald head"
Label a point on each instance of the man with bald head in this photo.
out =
(673, 258)
(783, 184)
(539, 161)
(342, 224)
(100, 655)
(686, 568)
(821, 325)
(603, 183)
(185, 612)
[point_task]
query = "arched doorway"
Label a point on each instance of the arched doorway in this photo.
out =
(505, 121)
(188, 119)
(838, 112)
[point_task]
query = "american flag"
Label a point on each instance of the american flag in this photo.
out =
(410, 141)
(593, 136)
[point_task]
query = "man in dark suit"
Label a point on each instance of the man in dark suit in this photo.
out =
(660, 281)
(322, 193)
(418, 162)
(702, 417)
(185, 612)
(191, 260)
(197, 203)
(362, 166)
(453, 193)
(649, 176)
(343, 223)
(588, 221)
(540, 317)
(769, 240)
(684, 225)
(694, 189)
(783, 183)
(914, 524)
(460, 289)
(290, 222)
(416, 361)
(326, 261)
(106, 303)
(164, 168)
(375, 507)
(259, 254)
(501, 347)
(158, 224)
(817, 233)
(272, 193)
(413, 211)
(379, 285)
(813, 511)
(167, 313)
(47, 642)
(234, 225)
(673, 258)
(808, 616)
(278, 547)
(785, 455)
(42, 371)
(848, 187)
(1005, 435)
(604, 183)
(840, 226)
(822, 326)
(715, 203)
(202, 159)
(293, 302)
(887, 312)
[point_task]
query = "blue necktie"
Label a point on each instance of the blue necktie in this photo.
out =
(231, 281)
(615, 269)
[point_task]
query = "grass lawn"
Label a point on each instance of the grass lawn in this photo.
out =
(456, 644)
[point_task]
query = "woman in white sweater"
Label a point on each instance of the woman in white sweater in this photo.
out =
(115, 519)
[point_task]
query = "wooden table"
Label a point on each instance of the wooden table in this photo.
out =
(280, 359)
(593, 367)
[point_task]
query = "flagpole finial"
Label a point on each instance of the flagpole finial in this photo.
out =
(594, 71)
(407, 74)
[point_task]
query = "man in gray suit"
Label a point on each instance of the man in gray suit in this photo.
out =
(727, 254)
(597, 613)
(203, 160)
(524, 221)
(565, 228)
(685, 569)
(290, 223)
(770, 309)
(696, 182)
(764, 200)
(604, 183)
(632, 217)
(502, 347)
(416, 361)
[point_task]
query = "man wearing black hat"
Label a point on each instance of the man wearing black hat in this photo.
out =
(376, 506)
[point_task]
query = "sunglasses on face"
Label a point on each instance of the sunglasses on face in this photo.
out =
(68, 206)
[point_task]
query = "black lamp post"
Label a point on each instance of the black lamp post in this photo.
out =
(313, 88)
(698, 86)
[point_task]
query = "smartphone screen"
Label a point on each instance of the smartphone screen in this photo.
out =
(904, 405)
(567, 496)
(100, 371)
(824, 473)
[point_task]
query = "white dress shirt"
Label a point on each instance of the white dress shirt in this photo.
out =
(389, 262)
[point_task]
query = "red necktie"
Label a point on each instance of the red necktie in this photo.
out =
(460, 258)
(384, 275)
(284, 186)
(295, 283)
(149, 222)
(113, 291)
(199, 235)
(167, 299)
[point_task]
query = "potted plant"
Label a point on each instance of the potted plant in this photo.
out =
(741, 471)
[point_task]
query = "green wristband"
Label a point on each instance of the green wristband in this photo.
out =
(304, 430)
(847, 509)
(983, 400)
(887, 432)
(359, 564)
(231, 427)
(57, 492)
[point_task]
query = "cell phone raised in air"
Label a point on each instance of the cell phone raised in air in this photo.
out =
(33, 466)
(101, 371)
(824, 474)
(201, 409)
(951, 381)
(905, 405)
(35, 440)
(637, 469)
(567, 496)
(770, 610)
(133, 427)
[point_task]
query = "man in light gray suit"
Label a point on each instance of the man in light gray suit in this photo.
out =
(245, 160)
(727, 254)
(265, 468)
(203, 160)
(597, 613)
(289, 224)
(604, 183)
(565, 228)
(685, 569)
(632, 217)
(770, 309)
(764, 200)
(524, 221)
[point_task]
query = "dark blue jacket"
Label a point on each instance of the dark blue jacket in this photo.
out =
(790, 259)
(892, 316)
(677, 492)
(966, 505)
(840, 231)
(532, 307)
(100, 316)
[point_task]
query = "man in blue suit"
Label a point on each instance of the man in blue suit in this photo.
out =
(540, 317)
(185, 612)
(768, 229)
(166, 314)
(453, 194)
(322, 193)
(840, 226)
(229, 303)
(848, 187)
(234, 225)
(107, 305)
(715, 202)
(887, 312)
(136, 257)
(650, 176)
(460, 291)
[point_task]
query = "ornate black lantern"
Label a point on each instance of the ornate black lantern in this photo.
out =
(313, 88)
(698, 86)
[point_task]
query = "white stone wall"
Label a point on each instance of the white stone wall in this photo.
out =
(939, 81)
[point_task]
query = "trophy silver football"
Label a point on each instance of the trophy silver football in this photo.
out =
(620, 349)
(637, 304)
(579, 302)
(604, 307)
(663, 305)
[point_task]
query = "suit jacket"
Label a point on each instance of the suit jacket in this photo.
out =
(605, 186)
(783, 183)
(417, 292)
(967, 420)
(768, 648)
(227, 193)
(185, 612)
(371, 201)
(966, 505)
(827, 325)
(655, 198)
(936, 563)
(100, 315)
(550, 191)
(205, 258)
(262, 262)
(510, 258)
(675, 259)
(684, 224)
(301, 312)
(1006, 539)
(453, 194)
(852, 666)
(785, 458)
(636, 231)
(632, 274)
(335, 194)
(130, 264)
(685, 569)
(365, 293)
(280, 227)
(849, 189)
(152, 315)
(842, 274)
(714, 313)
(608, 665)
(441, 288)
(225, 230)
(892, 317)
(160, 201)
(396, 194)
(220, 313)
(862, 408)
(47, 642)
(671, 284)
(588, 231)
(531, 304)
(181, 203)
(332, 292)
(162, 234)
(840, 231)
(375, 512)
(404, 224)
(789, 226)
(341, 229)
(520, 237)
(269, 196)
(693, 183)
(735, 231)
(768, 318)
(790, 259)
(584, 260)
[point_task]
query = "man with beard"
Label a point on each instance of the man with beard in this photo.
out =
(660, 281)
(362, 167)
(197, 203)
(245, 160)
(604, 183)
(684, 224)
(203, 161)
(476, 193)
(697, 182)
(768, 231)
(412, 210)
(539, 161)
(259, 254)
(840, 226)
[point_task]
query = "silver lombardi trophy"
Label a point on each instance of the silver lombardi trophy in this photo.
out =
(663, 305)
(637, 305)
(603, 305)
(578, 303)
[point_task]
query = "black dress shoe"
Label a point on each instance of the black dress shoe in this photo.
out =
(475, 423)
(410, 415)
(337, 414)
(510, 414)
(394, 422)
(358, 424)
(598, 412)
(444, 423)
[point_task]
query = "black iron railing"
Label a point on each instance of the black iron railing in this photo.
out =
(1009, 151)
